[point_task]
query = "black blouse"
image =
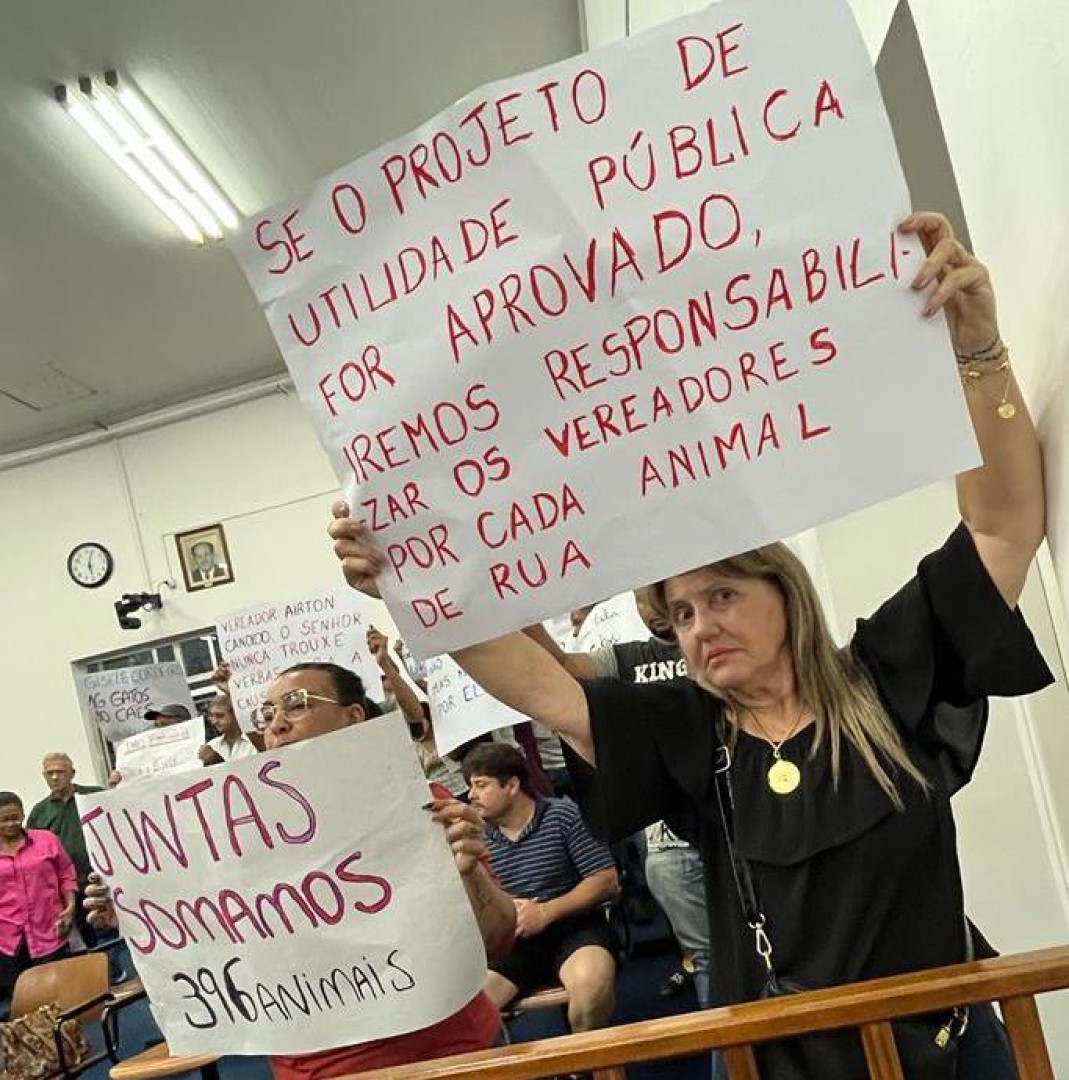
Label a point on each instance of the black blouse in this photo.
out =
(852, 887)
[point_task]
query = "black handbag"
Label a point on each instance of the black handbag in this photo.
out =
(929, 1044)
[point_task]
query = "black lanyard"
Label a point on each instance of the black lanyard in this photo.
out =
(740, 868)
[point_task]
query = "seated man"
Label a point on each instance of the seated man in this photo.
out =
(558, 875)
(673, 866)
(314, 699)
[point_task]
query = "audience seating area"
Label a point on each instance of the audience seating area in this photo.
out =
(78, 985)
(539, 1020)
(670, 1047)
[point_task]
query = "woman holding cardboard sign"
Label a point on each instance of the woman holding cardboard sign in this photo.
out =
(826, 772)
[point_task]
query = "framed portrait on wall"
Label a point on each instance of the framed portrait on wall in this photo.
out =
(205, 557)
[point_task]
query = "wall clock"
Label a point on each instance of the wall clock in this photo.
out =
(90, 564)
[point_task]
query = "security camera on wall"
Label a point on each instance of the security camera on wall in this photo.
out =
(130, 603)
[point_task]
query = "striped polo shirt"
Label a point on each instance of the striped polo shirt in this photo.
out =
(551, 856)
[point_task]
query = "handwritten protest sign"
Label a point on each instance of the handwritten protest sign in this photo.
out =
(160, 750)
(615, 318)
(282, 903)
(326, 626)
(460, 707)
(119, 699)
(613, 620)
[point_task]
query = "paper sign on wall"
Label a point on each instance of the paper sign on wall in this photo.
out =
(119, 698)
(168, 749)
(268, 914)
(616, 318)
(329, 625)
(460, 707)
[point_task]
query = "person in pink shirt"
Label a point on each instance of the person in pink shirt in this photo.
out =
(38, 885)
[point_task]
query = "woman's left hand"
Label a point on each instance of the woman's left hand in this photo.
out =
(962, 285)
(464, 831)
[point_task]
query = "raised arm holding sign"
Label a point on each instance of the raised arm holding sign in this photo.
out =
(667, 283)
(658, 282)
(840, 762)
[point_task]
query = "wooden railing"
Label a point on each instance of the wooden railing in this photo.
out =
(1013, 981)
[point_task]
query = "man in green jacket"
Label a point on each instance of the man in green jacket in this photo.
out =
(59, 814)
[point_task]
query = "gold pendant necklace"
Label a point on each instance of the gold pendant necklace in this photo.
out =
(784, 776)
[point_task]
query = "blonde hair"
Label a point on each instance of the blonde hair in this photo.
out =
(829, 679)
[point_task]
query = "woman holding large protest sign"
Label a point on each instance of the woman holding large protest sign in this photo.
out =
(305, 702)
(829, 771)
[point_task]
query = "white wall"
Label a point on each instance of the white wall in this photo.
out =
(1001, 79)
(256, 468)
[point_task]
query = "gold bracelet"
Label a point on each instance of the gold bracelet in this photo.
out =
(989, 365)
(978, 373)
(971, 376)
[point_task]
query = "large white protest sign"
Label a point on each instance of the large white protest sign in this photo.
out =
(460, 707)
(168, 749)
(328, 625)
(119, 698)
(615, 318)
(291, 902)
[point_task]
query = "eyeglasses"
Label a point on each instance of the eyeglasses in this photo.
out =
(293, 701)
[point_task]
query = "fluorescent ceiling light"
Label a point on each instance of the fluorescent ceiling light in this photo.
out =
(123, 124)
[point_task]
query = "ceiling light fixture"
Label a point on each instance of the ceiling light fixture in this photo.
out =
(126, 127)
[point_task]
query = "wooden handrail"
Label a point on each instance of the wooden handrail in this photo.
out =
(1014, 978)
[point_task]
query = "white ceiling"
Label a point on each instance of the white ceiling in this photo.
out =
(105, 311)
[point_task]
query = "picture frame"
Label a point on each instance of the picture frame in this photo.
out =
(204, 557)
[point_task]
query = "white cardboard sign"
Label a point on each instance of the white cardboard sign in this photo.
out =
(328, 625)
(460, 707)
(119, 698)
(168, 749)
(613, 319)
(292, 902)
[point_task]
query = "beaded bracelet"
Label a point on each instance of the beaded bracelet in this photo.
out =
(991, 351)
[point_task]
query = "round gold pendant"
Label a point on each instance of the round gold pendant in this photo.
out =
(784, 777)
(1007, 410)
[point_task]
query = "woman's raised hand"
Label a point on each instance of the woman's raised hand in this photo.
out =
(361, 561)
(962, 285)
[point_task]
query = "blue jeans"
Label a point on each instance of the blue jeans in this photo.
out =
(675, 878)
